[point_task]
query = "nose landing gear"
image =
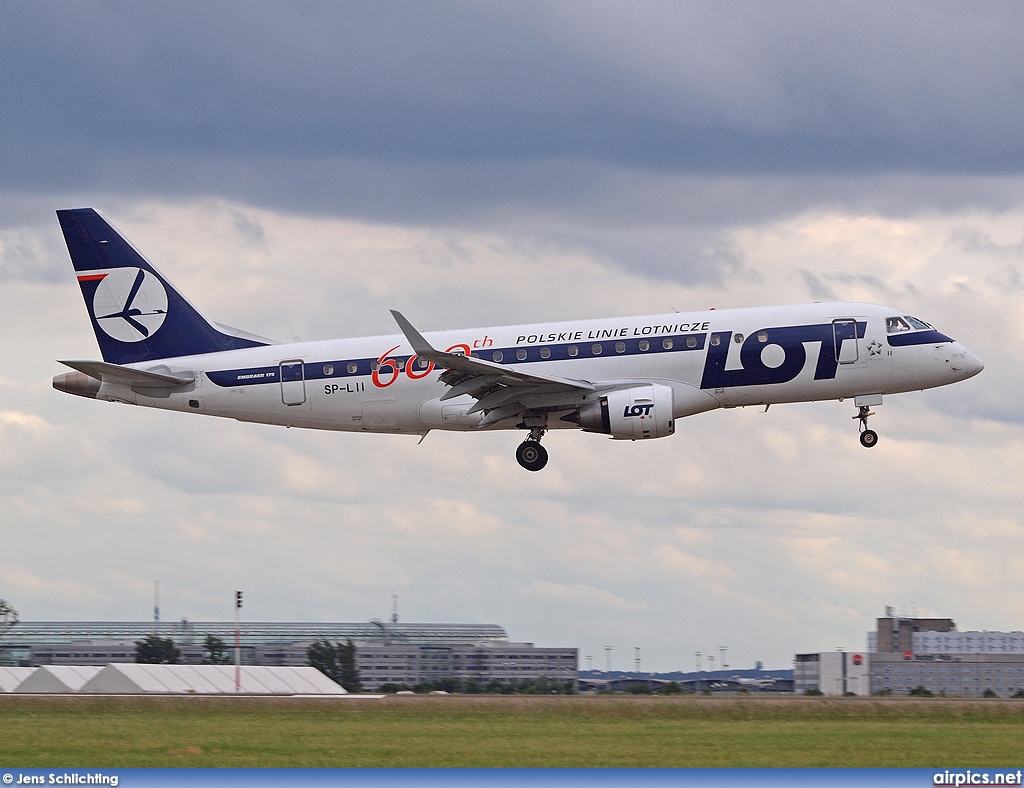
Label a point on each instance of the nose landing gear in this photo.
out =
(530, 454)
(868, 438)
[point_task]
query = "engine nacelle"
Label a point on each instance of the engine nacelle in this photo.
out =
(634, 414)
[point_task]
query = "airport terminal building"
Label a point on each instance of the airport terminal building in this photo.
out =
(386, 652)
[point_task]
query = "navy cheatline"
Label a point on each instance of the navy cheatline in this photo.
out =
(135, 312)
(314, 370)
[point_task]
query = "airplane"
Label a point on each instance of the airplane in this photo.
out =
(758, 683)
(629, 378)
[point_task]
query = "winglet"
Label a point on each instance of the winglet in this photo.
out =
(416, 339)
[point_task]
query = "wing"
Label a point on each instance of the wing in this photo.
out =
(500, 391)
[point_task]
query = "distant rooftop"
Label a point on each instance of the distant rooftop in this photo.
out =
(29, 633)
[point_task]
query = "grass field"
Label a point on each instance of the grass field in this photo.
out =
(510, 731)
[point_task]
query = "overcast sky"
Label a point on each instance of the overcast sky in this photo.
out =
(301, 168)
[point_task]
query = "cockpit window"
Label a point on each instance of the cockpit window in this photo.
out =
(894, 325)
(915, 323)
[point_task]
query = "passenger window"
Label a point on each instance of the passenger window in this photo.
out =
(374, 366)
(716, 340)
(645, 345)
(691, 341)
(422, 363)
(595, 349)
(521, 354)
(328, 369)
(894, 325)
(620, 347)
(352, 367)
(545, 352)
(738, 339)
(667, 343)
(573, 350)
(497, 355)
(762, 336)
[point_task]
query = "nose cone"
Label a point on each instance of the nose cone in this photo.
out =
(974, 364)
(965, 363)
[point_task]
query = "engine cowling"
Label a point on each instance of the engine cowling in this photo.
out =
(636, 413)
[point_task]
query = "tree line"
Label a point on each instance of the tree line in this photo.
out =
(155, 650)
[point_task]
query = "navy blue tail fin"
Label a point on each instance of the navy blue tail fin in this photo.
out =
(136, 314)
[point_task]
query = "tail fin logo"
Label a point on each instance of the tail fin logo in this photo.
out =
(129, 304)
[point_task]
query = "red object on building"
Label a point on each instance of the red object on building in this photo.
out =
(857, 659)
(908, 655)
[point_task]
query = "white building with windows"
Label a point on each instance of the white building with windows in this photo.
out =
(832, 673)
(964, 675)
(396, 662)
(968, 642)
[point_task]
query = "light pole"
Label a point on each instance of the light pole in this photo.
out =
(238, 641)
(608, 659)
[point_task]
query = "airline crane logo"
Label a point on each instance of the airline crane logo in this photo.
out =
(129, 304)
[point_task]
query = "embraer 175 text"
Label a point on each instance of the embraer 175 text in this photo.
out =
(627, 377)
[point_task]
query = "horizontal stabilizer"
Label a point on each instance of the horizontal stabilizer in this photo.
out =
(126, 376)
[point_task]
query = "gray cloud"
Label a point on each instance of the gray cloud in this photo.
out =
(452, 100)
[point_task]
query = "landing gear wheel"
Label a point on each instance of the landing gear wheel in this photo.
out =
(531, 455)
(868, 438)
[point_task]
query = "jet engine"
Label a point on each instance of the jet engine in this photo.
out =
(635, 413)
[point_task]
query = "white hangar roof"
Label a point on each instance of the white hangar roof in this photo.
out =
(134, 679)
(58, 678)
(10, 678)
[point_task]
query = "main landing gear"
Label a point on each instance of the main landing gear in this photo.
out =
(868, 438)
(530, 454)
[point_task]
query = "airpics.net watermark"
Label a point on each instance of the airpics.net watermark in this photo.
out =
(62, 778)
(957, 777)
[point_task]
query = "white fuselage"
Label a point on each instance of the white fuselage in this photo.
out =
(709, 359)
